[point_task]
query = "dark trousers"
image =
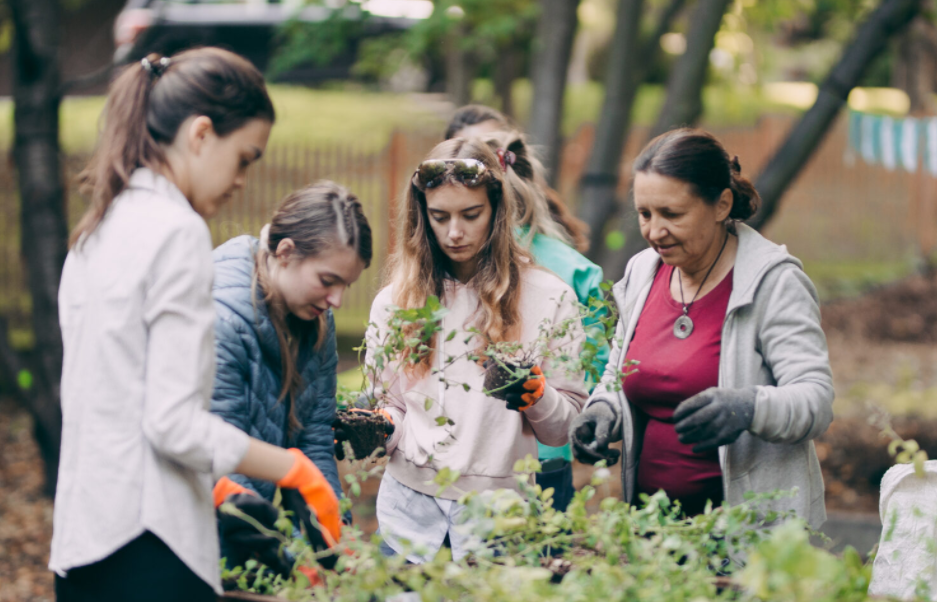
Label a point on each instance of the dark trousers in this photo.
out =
(560, 479)
(144, 570)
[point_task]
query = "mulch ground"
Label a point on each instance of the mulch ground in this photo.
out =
(873, 337)
(25, 514)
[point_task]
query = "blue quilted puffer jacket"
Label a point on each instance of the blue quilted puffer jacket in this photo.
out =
(247, 381)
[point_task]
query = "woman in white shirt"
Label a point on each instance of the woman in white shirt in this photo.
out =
(134, 518)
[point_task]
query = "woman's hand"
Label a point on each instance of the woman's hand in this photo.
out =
(245, 540)
(592, 431)
(715, 417)
(341, 436)
(523, 394)
(317, 494)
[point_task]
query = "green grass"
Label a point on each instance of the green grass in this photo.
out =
(359, 118)
(722, 106)
(839, 279)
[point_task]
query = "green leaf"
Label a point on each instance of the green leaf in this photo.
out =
(441, 420)
(428, 404)
(466, 387)
(24, 379)
(451, 336)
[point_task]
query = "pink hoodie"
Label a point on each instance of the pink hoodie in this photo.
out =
(487, 438)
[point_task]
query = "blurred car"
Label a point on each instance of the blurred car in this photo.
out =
(249, 28)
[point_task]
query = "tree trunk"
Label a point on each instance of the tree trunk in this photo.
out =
(598, 188)
(507, 70)
(888, 19)
(914, 65)
(460, 70)
(598, 199)
(684, 101)
(44, 230)
(553, 46)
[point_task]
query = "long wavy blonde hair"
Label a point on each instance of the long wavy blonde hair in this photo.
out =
(418, 268)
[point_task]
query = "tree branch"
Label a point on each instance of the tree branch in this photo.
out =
(88, 80)
(888, 19)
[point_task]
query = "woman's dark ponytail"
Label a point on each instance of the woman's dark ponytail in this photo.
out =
(147, 104)
(745, 199)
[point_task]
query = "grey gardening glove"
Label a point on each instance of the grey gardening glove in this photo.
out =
(592, 431)
(715, 417)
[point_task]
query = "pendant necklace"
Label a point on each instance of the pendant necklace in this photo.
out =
(683, 327)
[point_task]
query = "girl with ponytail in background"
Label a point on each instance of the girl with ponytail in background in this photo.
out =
(134, 516)
(548, 242)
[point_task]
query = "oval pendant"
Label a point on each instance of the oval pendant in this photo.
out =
(683, 327)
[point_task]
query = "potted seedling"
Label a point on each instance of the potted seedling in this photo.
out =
(588, 332)
(403, 343)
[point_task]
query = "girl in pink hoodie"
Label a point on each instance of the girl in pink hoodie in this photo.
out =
(456, 241)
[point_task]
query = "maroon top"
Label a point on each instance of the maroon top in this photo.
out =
(671, 371)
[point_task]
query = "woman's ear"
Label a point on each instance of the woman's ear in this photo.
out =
(197, 132)
(724, 205)
(285, 250)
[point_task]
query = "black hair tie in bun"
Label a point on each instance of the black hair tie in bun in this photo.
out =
(736, 166)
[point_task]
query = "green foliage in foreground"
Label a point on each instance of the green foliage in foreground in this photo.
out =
(525, 550)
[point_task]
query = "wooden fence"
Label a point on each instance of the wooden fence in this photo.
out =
(835, 213)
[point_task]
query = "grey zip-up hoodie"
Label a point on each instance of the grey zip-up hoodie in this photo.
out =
(771, 338)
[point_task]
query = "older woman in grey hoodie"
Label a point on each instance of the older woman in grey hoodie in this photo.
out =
(732, 380)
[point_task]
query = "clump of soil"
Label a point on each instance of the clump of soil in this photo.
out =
(854, 458)
(497, 378)
(905, 311)
(364, 431)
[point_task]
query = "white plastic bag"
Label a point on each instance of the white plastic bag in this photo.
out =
(906, 563)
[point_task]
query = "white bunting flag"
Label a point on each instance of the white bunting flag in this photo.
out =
(889, 149)
(909, 144)
(930, 139)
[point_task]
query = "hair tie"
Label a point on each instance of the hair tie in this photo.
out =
(506, 157)
(736, 166)
(156, 69)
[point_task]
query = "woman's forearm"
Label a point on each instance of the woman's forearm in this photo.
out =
(265, 462)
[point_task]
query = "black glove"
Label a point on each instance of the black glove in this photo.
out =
(592, 431)
(341, 436)
(245, 540)
(293, 501)
(715, 417)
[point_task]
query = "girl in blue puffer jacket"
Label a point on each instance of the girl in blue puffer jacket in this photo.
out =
(275, 334)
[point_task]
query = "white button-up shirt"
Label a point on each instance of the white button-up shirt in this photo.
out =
(139, 447)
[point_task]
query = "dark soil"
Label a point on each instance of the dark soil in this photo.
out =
(854, 458)
(496, 377)
(905, 311)
(365, 432)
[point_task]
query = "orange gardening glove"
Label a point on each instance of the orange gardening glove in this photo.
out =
(306, 478)
(522, 396)
(225, 487)
(311, 574)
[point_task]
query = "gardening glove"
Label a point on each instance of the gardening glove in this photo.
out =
(316, 494)
(715, 417)
(245, 540)
(523, 395)
(592, 431)
(341, 436)
(320, 539)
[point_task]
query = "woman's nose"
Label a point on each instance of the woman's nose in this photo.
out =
(335, 298)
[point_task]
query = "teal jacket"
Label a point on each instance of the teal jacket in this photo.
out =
(584, 277)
